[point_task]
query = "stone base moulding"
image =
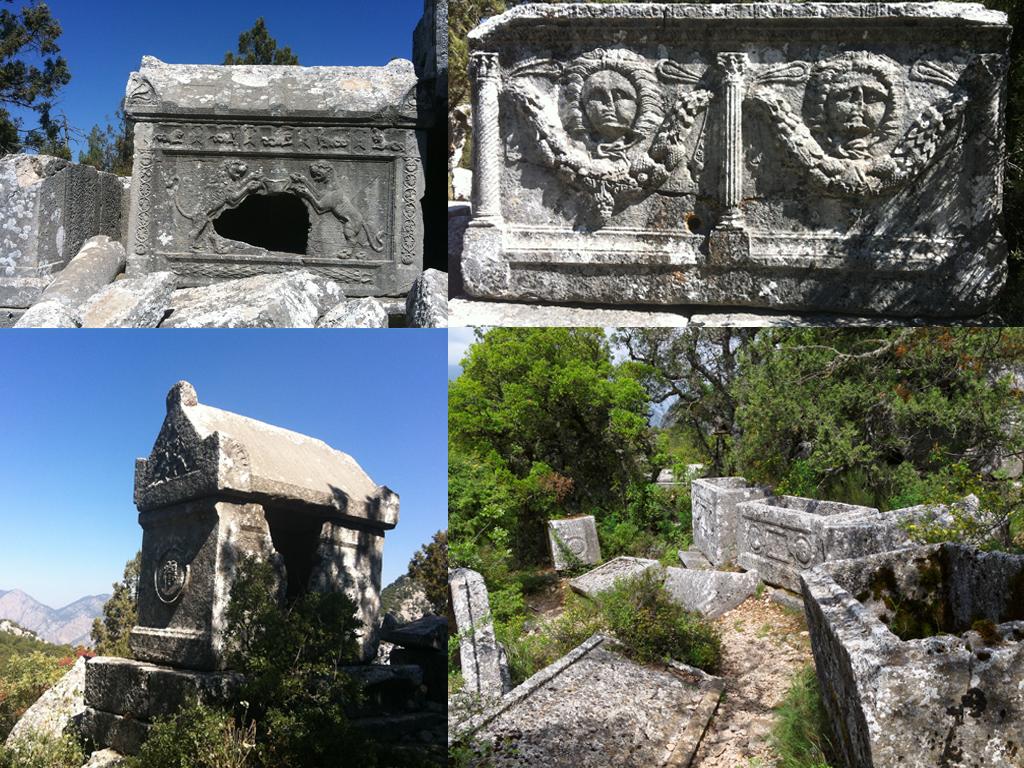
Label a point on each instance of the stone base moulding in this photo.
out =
(815, 157)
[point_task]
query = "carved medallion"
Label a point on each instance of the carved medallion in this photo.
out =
(801, 549)
(171, 576)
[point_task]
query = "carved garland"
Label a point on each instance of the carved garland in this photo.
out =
(145, 173)
(409, 205)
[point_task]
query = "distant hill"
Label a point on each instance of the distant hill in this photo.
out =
(404, 598)
(12, 628)
(70, 625)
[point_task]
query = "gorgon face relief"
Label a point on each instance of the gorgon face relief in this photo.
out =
(610, 103)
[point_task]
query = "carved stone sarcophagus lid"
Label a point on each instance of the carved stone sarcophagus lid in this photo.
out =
(837, 157)
(219, 486)
(244, 170)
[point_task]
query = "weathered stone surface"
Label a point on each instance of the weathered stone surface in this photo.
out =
(245, 170)
(104, 758)
(920, 655)
(51, 207)
(595, 708)
(146, 691)
(55, 709)
(779, 536)
(468, 312)
(218, 486)
(430, 632)
(573, 540)
(787, 599)
(427, 303)
(355, 313)
(125, 735)
(811, 156)
(694, 559)
(604, 577)
(286, 300)
(710, 593)
(135, 302)
(479, 652)
(49, 314)
(715, 517)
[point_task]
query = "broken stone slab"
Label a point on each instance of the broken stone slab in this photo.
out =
(249, 170)
(51, 207)
(124, 735)
(429, 632)
(789, 600)
(779, 536)
(104, 758)
(471, 312)
(355, 313)
(54, 710)
(594, 708)
(427, 303)
(725, 171)
(709, 593)
(692, 558)
(573, 541)
(49, 314)
(134, 302)
(479, 652)
(293, 299)
(605, 577)
(716, 517)
(920, 656)
(458, 219)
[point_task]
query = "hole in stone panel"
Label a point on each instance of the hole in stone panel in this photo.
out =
(276, 222)
(296, 537)
(693, 222)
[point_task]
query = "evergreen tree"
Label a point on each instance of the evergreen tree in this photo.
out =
(120, 614)
(429, 569)
(257, 47)
(111, 149)
(32, 71)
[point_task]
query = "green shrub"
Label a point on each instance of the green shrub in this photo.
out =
(38, 751)
(641, 614)
(23, 679)
(801, 733)
(197, 737)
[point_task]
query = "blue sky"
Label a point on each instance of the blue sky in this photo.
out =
(105, 40)
(77, 409)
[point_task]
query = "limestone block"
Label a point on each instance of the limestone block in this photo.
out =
(55, 709)
(104, 758)
(285, 300)
(715, 517)
(482, 671)
(779, 536)
(605, 577)
(709, 593)
(427, 303)
(595, 708)
(429, 632)
(816, 156)
(124, 735)
(355, 313)
(249, 170)
(136, 302)
(573, 540)
(458, 220)
(49, 314)
(907, 678)
(51, 207)
(694, 559)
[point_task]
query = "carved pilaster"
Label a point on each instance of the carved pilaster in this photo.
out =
(734, 66)
(485, 74)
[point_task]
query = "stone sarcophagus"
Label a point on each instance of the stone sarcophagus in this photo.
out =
(715, 517)
(218, 487)
(245, 170)
(840, 157)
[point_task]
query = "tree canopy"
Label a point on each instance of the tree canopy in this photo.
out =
(256, 46)
(32, 72)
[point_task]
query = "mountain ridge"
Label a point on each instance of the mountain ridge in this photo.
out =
(70, 624)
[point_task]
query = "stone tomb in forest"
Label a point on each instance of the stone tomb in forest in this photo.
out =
(715, 517)
(246, 170)
(218, 487)
(920, 657)
(844, 157)
(573, 541)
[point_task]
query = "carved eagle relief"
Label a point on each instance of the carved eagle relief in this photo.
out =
(850, 138)
(618, 137)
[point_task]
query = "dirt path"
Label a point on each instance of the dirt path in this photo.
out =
(763, 646)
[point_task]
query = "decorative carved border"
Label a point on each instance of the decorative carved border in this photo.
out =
(145, 173)
(410, 202)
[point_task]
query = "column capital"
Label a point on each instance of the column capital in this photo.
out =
(483, 65)
(734, 64)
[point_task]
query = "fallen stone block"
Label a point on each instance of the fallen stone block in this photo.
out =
(429, 632)
(104, 758)
(282, 300)
(355, 313)
(427, 303)
(604, 577)
(135, 302)
(920, 656)
(50, 208)
(483, 674)
(596, 708)
(715, 516)
(691, 558)
(573, 542)
(55, 709)
(709, 593)
(49, 314)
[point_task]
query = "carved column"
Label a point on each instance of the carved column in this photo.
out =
(483, 68)
(734, 66)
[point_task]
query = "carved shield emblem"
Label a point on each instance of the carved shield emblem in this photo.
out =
(171, 577)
